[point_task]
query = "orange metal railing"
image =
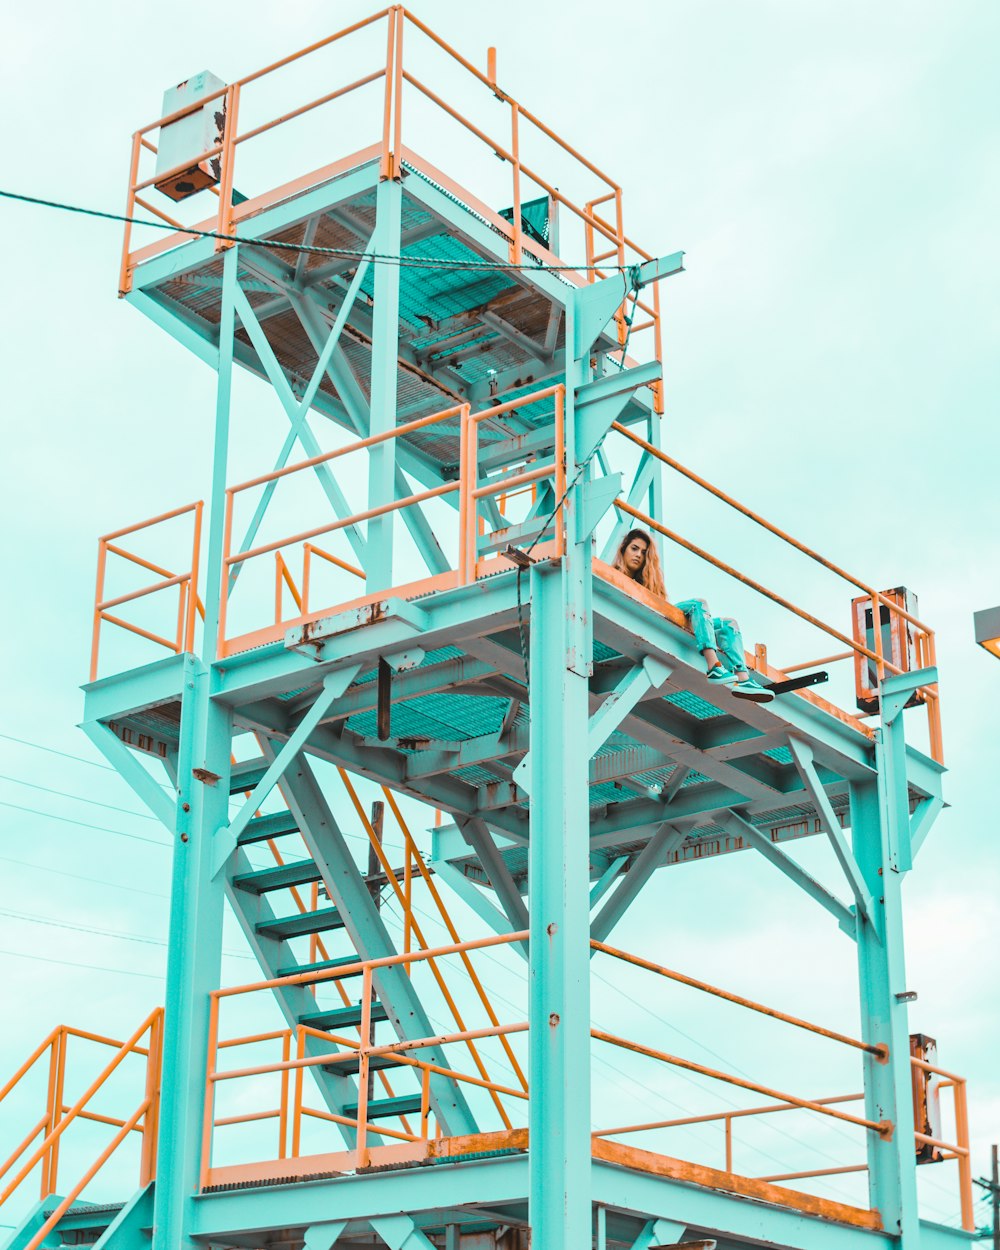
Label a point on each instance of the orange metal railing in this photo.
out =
(923, 635)
(472, 490)
(412, 929)
(826, 1106)
(59, 1116)
(292, 1108)
(187, 584)
(600, 229)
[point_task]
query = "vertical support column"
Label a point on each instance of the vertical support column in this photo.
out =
(879, 822)
(559, 1078)
(216, 584)
(196, 905)
(385, 360)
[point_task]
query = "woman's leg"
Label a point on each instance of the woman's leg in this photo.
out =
(729, 643)
(700, 620)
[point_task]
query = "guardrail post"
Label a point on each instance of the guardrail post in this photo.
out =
(892, 1183)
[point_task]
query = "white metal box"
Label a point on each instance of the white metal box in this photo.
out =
(182, 144)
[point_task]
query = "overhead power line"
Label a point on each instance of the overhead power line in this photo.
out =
(345, 253)
(66, 820)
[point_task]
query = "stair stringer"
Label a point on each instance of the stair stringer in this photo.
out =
(349, 892)
(294, 1001)
(132, 1227)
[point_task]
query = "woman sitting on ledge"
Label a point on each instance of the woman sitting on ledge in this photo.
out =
(638, 559)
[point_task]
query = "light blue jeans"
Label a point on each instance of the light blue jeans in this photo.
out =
(722, 634)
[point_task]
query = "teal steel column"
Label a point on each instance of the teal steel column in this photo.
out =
(385, 362)
(877, 808)
(194, 952)
(558, 904)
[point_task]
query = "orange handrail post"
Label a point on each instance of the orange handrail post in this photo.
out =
(224, 217)
(385, 168)
(125, 270)
(364, 1067)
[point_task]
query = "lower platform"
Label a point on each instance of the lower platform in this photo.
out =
(472, 1194)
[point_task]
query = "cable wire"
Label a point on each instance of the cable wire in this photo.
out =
(378, 258)
(66, 820)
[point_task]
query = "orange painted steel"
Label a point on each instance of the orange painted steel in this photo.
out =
(880, 1051)
(798, 1176)
(472, 493)
(961, 1151)
(316, 948)
(431, 962)
(438, 975)
(390, 152)
(826, 659)
(926, 646)
(308, 551)
(186, 582)
(452, 931)
(883, 1127)
(727, 1118)
(59, 1116)
(306, 108)
(742, 1112)
(467, 487)
(363, 1051)
(754, 585)
(362, 1047)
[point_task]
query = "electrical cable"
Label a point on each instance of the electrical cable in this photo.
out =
(49, 922)
(127, 811)
(414, 262)
(52, 751)
(76, 876)
(37, 811)
(65, 963)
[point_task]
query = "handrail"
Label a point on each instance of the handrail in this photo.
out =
(884, 1128)
(59, 1116)
(390, 151)
(187, 583)
(468, 487)
(363, 1050)
(880, 1051)
(883, 665)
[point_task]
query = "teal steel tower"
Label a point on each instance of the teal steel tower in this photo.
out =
(419, 593)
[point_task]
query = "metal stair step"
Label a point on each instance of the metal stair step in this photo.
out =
(245, 775)
(322, 965)
(352, 1066)
(301, 923)
(280, 877)
(385, 1108)
(342, 1017)
(274, 825)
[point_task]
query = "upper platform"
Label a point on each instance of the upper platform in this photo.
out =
(482, 289)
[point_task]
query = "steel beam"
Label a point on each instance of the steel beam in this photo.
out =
(804, 762)
(757, 838)
(650, 858)
(559, 873)
(878, 809)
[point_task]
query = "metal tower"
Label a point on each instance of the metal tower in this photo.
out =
(419, 592)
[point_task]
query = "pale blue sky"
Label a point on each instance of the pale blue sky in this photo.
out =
(831, 170)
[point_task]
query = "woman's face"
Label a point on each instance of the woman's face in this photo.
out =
(634, 556)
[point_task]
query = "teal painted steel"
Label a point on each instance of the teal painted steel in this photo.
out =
(559, 912)
(384, 367)
(620, 777)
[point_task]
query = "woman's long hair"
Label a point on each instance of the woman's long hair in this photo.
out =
(651, 573)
